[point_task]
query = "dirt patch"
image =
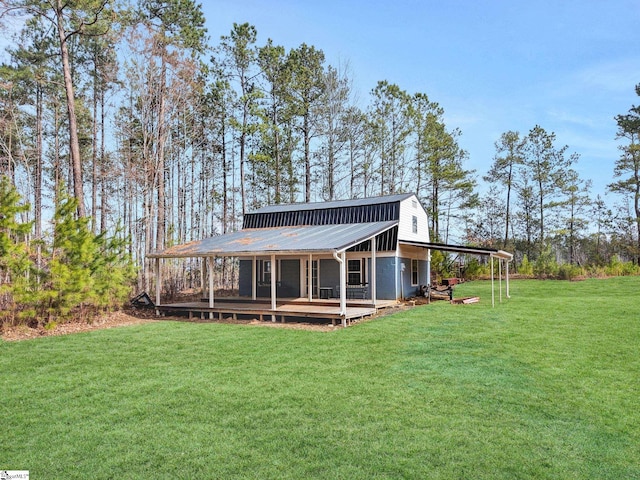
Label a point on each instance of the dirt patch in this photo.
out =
(110, 320)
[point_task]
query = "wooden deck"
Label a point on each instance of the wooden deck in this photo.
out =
(290, 308)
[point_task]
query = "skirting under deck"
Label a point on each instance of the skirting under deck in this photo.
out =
(294, 308)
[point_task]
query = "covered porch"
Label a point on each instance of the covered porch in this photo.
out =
(271, 256)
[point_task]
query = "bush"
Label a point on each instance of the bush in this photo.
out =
(525, 268)
(441, 264)
(545, 265)
(568, 271)
(474, 269)
(618, 268)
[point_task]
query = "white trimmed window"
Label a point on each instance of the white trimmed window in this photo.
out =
(356, 273)
(414, 224)
(414, 272)
(264, 271)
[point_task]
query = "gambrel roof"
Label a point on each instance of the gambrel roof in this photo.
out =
(362, 210)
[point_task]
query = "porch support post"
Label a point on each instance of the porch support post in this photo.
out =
(493, 295)
(310, 278)
(273, 286)
(500, 278)
(343, 288)
(158, 284)
(211, 299)
(202, 273)
(508, 296)
(254, 280)
(374, 292)
(429, 274)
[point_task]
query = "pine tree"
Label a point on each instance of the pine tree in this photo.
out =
(15, 263)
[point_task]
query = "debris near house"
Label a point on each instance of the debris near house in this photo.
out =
(464, 301)
(442, 292)
(142, 301)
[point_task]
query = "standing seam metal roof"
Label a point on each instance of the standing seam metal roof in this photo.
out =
(334, 204)
(296, 239)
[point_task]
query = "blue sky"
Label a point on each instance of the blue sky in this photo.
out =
(568, 66)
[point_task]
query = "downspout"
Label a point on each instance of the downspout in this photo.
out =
(343, 287)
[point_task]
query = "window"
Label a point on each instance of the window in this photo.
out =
(264, 272)
(354, 272)
(414, 272)
(414, 221)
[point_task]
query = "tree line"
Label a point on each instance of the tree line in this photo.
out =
(163, 136)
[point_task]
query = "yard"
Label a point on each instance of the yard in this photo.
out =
(545, 385)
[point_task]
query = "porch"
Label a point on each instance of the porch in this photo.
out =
(292, 308)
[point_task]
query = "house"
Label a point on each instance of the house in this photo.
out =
(372, 242)
(352, 252)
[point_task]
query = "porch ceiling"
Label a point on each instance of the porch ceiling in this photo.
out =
(280, 240)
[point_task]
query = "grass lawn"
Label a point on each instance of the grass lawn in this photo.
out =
(545, 385)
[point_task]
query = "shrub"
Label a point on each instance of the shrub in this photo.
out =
(474, 269)
(568, 271)
(525, 268)
(545, 265)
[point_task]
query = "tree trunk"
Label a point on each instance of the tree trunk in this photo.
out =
(636, 204)
(74, 143)
(103, 173)
(38, 174)
(160, 227)
(307, 161)
(506, 226)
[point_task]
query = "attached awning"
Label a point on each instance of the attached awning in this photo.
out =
(501, 255)
(492, 252)
(296, 240)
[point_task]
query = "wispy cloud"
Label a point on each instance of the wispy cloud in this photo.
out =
(617, 76)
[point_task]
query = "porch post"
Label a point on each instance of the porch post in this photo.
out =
(343, 288)
(508, 296)
(158, 284)
(429, 274)
(211, 299)
(374, 291)
(254, 280)
(500, 278)
(493, 296)
(310, 278)
(273, 286)
(202, 273)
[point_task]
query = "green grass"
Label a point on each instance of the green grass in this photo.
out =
(545, 385)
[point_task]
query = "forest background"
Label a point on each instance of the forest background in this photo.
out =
(162, 135)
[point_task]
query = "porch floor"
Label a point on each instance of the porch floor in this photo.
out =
(261, 308)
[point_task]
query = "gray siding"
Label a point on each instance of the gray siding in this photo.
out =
(244, 278)
(329, 273)
(386, 278)
(289, 279)
(405, 289)
(289, 285)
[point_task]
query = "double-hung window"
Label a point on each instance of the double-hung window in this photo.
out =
(355, 272)
(414, 272)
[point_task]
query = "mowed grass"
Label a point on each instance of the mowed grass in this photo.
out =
(545, 385)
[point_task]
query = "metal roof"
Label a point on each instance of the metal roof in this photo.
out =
(279, 240)
(445, 247)
(334, 204)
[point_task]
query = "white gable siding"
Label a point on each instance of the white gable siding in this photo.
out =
(409, 208)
